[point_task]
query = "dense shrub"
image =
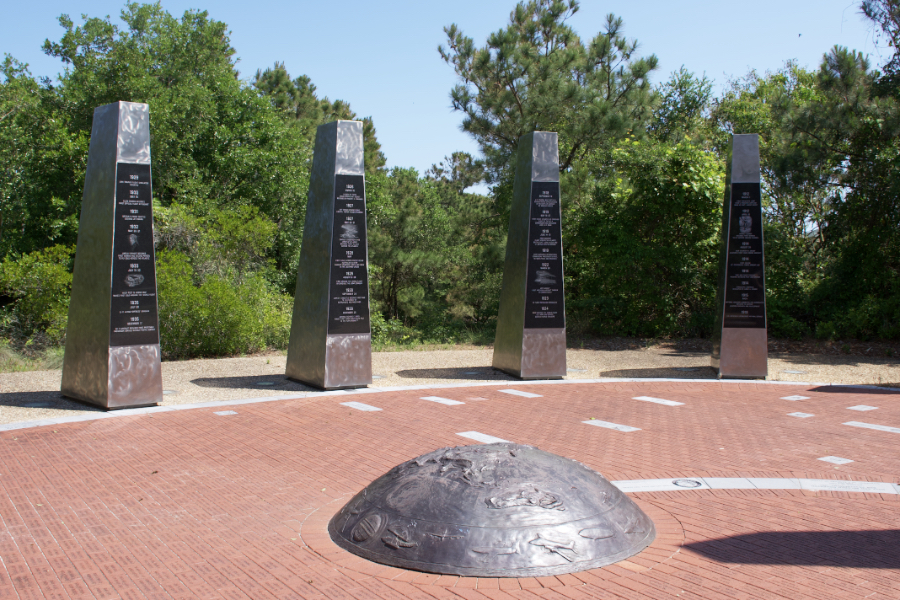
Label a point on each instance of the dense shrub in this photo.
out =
(217, 317)
(642, 256)
(34, 294)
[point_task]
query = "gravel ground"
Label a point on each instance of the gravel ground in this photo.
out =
(34, 395)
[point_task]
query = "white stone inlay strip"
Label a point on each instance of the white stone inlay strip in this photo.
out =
(222, 413)
(520, 393)
(871, 426)
(658, 401)
(756, 483)
(836, 460)
(862, 407)
(609, 425)
(661, 485)
(801, 415)
(440, 400)
(482, 437)
(832, 485)
(775, 483)
(729, 483)
(360, 406)
(795, 398)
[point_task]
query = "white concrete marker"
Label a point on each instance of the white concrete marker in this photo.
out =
(831, 485)
(439, 400)
(729, 483)
(862, 407)
(801, 415)
(836, 460)
(360, 406)
(520, 393)
(755, 483)
(871, 426)
(795, 398)
(658, 401)
(609, 425)
(775, 483)
(222, 413)
(482, 437)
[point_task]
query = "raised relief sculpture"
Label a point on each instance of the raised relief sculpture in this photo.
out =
(492, 510)
(527, 496)
(398, 537)
(566, 550)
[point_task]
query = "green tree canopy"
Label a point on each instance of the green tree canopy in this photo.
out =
(537, 74)
(298, 98)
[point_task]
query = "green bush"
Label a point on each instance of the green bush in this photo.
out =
(34, 292)
(391, 332)
(217, 317)
(642, 254)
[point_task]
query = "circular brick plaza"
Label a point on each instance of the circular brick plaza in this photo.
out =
(758, 490)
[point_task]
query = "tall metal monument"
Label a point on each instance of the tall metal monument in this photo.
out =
(331, 341)
(531, 326)
(740, 343)
(112, 356)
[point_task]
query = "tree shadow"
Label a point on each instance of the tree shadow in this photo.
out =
(258, 382)
(858, 549)
(50, 400)
(835, 389)
(461, 373)
(663, 373)
(831, 359)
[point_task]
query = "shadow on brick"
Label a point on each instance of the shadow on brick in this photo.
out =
(856, 549)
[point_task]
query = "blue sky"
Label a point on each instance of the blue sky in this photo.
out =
(382, 56)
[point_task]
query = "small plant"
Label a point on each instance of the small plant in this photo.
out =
(38, 286)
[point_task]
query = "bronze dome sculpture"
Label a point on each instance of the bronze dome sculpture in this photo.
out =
(493, 510)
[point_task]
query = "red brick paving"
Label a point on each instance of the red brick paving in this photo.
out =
(187, 504)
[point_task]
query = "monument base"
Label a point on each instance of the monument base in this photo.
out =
(543, 356)
(348, 364)
(133, 378)
(742, 354)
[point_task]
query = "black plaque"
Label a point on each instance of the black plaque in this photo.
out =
(745, 289)
(133, 316)
(544, 299)
(348, 310)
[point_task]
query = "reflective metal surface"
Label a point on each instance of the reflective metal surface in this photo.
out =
(349, 151)
(493, 510)
(93, 371)
(545, 156)
(743, 353)
(135, 377)
(348, 360)
(543, 353)
(315, 357)
(739, 352)
(532, 353)
(744, 156)
(134, 133)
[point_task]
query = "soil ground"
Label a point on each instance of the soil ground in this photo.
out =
(26, 396)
